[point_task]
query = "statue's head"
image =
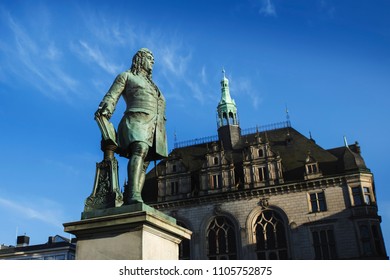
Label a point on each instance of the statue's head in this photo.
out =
(143, 61)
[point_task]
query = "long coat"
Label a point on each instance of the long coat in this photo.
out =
(144, 119)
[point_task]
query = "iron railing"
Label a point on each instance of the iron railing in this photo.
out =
(246, 131)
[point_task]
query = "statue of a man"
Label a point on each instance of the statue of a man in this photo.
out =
(141, 132)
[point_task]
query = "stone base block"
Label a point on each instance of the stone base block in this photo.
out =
(140, 235)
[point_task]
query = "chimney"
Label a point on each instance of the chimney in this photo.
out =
(22, 240)
(50, 240)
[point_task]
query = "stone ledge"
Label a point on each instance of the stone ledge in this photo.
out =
(126, 209)
(126, 222)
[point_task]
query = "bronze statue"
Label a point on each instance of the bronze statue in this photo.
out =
(141, 132)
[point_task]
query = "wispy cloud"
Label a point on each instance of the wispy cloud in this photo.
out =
(94, 54)
(197, 93)
(174, 61)
(203, 75)
(34, 62)
(243, 86)
(44, 210)
(267, 8)
(53, 53)
(111, 31)
(65, 168)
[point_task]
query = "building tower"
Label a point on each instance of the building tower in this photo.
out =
(229, 131)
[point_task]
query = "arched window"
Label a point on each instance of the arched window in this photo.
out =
(271, 241)
(221, 239)
(231, 118)
(184, 246)
(225, 120)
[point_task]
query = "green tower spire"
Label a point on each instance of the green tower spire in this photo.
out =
(227, 109)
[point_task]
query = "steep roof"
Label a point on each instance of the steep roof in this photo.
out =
(349, 158)
(288, 143)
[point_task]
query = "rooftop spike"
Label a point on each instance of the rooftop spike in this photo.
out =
(345, 141)
(287, 114)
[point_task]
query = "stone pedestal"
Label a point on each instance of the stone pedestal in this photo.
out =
(131, 232)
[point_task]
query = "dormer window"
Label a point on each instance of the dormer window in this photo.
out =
(261, 153)
(262, 174)
(216, 181)
(311, 168)
(174, 169)
(216, 161)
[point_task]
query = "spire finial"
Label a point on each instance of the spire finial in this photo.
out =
(223, 72)
(287, 114)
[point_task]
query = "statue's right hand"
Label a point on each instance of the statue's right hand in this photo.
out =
(103, 111)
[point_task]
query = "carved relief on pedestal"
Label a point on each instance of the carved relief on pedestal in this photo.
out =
(106, 192)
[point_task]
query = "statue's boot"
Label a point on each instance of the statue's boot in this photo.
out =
(136, 170)
(136, 179)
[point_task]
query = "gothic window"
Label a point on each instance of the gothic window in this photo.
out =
(317, 202)
(271, 241)
(216, 161)
(221, 239)
(216, 181)
(261, 153)
(324, 244)
(184, 246)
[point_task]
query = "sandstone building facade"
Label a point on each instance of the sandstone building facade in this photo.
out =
(268, 193)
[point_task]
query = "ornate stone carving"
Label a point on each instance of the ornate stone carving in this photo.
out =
(217, 209)
(263, 202)
(106, 192)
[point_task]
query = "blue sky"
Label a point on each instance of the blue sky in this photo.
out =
(328, 61)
